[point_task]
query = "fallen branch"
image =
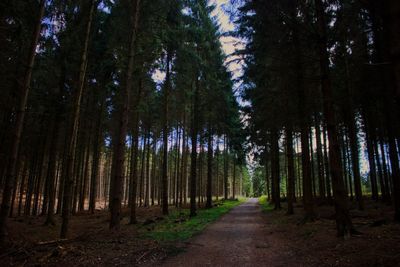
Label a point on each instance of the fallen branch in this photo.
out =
(52, 242)
(144, 255)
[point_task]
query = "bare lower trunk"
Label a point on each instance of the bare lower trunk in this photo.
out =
(193, 165)
(209, 168)
(343, 220)
(11, 172)
(275, 169)
(73, 131)
(290, 170)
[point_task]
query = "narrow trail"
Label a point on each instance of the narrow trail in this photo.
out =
(239, 238)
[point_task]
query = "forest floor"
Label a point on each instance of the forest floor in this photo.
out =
(249, 235)
(91, 243)
(254, 235)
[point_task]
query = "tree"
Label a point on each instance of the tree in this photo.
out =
(73, 131)
(343, 221)
(19, 123)
(122, 128)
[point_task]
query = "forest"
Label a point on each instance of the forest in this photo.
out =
(161, 133)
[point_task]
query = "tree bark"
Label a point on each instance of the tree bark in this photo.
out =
(97, 144)
(225, 168)
(19, 124)
(165, 138)
(304, 126)
(275, 170)
(290, 170)
(119, 146)
(344, 224)
(321, 179)
(73, 131)
(209, 168)
(194, 134)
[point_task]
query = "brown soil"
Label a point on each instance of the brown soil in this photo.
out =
(249, 237)
(90, 242)
(244, 237)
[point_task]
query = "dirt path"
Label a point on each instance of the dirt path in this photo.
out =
(240, 238)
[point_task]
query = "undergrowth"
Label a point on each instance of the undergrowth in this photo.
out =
(178, 226)
(266, 206)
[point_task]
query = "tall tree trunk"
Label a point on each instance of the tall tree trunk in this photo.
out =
(51, 172)
(234, 179)
(52, 164)
(209, 168)
(85, 178)
(22, 188)
(326, 164)
(142, 170)
(73, 131)
(153, 171)
(147, 174)
(97, 144)
(290, 170)
(314, 190)
(344, 224)
(184, 161)
(391, 38)
(371, 157)
(217, 170)
(11, 172)
(305, 145)
(321, 179)
(267, 176)
(353, 136)
(134, 157)
(15, 186)
(225, 168)
(275, 169)
(177, 166)
(307, 179)
(119, 144)
(384, 167)
(165, 137)
(194, 134)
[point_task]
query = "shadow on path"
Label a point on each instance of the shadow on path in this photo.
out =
(239, 238)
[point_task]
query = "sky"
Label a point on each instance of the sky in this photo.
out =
(229, 43)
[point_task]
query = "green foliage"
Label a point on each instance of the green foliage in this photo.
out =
(178, 226)
(266, 206)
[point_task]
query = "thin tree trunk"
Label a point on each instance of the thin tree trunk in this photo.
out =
(234, 180)
(11, 172)
(194, 135)
(209, 168)
(290, 170)
(275, 170)
(225, 169)
(73, 131)
(165, 138)
(184, 161)
(326, 164)
(96, 162)
(321, 180)
(353, 136)
(51, 172)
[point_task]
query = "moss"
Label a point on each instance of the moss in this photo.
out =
(178, 226)
(266, 206)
